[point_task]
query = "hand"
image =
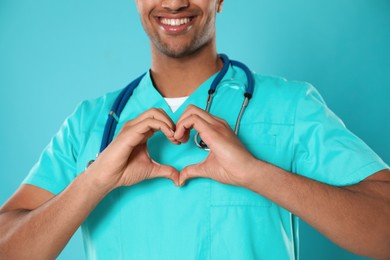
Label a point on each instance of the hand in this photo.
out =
(228, 162)
(126, 160)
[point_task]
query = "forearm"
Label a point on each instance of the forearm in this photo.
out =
(42, 233)
(351, 217)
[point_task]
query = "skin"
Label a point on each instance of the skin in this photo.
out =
(181, 61)
(354, 217)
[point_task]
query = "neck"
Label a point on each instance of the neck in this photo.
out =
(179, 77)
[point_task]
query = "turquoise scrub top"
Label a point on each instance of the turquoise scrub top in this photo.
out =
(286, 123)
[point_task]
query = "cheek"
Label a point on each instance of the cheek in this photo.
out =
(143, 8)
(209, 24)
(209, 7)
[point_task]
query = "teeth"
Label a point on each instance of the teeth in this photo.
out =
(175, 22)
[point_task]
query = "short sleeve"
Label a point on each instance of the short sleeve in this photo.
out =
(324, 149)
(56, 167)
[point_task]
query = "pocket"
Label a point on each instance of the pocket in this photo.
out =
(260, 139)
(242, 233)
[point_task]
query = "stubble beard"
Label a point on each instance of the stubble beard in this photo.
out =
(178, 51)
(203, 39)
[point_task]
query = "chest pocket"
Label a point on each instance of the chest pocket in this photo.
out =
(260, 140)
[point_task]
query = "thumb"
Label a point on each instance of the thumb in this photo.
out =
(189, 172)
(165, 171)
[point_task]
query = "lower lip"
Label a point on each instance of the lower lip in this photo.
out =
(177, 29)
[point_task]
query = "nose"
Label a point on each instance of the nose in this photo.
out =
(175, 5)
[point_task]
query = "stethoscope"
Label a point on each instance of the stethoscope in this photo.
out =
(126, 93)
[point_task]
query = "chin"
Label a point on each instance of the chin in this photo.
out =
(177, 54)
(179, 51)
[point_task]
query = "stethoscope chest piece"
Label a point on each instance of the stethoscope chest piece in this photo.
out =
(89, 163)
(199, 142)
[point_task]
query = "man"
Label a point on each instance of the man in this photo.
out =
(292, 157)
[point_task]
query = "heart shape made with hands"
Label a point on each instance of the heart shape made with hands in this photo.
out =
(224, 145)
(126, 161)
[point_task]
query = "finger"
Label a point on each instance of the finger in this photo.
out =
(154, 113)
(190, 172)
(159, 114)
(165, 171)
(185, 137)
(194, 110)
(183, 128)
(134, 135)
(184, 134)
(149, 126)
(191, 109)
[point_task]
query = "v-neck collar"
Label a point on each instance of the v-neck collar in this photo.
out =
(146, 96)
(150, 97)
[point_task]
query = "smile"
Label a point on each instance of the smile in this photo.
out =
(175, 22)
(175, 25)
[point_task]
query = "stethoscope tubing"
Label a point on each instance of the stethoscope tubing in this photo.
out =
(116, 110)
(122, 99)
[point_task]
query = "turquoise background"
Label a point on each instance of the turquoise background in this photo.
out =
(54, 54)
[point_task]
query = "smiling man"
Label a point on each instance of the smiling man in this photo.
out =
(237, 198)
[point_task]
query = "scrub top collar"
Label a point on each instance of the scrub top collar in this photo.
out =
(150, 97)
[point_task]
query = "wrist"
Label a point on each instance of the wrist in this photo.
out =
(98, 181)
(252, 173)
